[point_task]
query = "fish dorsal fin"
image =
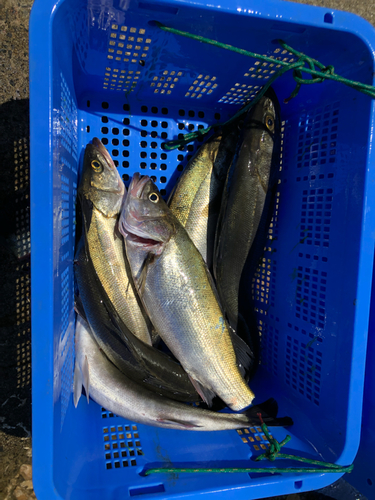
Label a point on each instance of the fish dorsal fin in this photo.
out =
(77, 384)
(86, 377)
(78, 307)
(81, 378)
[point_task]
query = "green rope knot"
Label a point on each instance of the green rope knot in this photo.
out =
(271, 454)
(327, 70)
(275, 447)
(318, 72)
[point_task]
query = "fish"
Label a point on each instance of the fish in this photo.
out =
(196, 199)
(179, 296)
(196, 202)
(112, 390)
(101, 192)
(139, 361)
(252, 174)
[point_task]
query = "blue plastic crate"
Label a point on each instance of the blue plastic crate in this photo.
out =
(363, 475)
(102, 69)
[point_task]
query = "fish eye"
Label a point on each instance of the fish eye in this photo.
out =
(153, 197)
(97, 166)
(270, 124)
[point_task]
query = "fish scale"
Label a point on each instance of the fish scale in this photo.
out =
(196, 199)
(101, 193)
(107, 255)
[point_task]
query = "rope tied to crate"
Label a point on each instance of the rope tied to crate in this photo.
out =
(304, 64)
(271, 454)
(275, 447)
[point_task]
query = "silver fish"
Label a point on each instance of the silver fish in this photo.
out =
(101, 193)
(137, 360)
(197, 197)
(244, 196)
(177, 291)
(112, 390)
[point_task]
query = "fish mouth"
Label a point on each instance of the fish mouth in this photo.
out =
(137, 236)
(97, 143)
(141, 241)
(138, 185)
(133, 231)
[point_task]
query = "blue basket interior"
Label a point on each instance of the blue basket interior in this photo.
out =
(117, 76)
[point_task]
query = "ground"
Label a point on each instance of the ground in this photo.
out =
(15, 336)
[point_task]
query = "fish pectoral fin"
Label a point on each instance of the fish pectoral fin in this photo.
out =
(205, 393)
(260, 180)
(86, 377)
(142, 275)
(77, 384)
(174, 421)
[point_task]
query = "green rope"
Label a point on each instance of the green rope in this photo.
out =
(271, 470)
(319, 73)
(271, 454)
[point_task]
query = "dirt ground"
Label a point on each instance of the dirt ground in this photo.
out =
(15, 335)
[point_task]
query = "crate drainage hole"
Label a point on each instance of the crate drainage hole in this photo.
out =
(121, 446)
(152, 488)
(298, 485)
(369, 482)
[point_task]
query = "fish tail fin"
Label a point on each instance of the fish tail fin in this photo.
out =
(268, 411)
(247, 331)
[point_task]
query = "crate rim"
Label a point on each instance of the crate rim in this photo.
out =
(40, 37)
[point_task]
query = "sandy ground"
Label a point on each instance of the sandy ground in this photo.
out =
(15, 348)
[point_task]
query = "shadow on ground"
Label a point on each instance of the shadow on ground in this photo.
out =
(15, 332)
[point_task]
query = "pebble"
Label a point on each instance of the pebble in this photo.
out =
(26, 472)
(19, 494)
(27, 484)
